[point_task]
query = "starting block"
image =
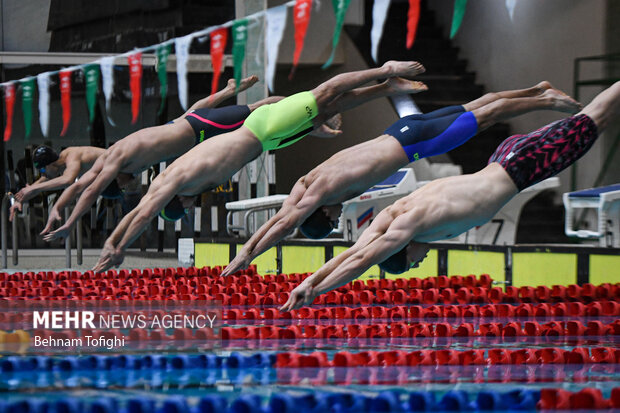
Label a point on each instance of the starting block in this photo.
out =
(358, 212)
(249, 207)
(606, 201)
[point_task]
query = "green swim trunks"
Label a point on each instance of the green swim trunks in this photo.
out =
(285, 122)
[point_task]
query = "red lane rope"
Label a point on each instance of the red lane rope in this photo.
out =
(578, 355)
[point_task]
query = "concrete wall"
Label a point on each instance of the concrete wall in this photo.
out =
(23, 25)
(541, 42)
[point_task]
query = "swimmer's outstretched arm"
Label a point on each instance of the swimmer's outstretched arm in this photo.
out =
(111, 256)
(384, 236)
(162, 190)
(72, 192)
(73, 165)
(299, 205)
(108, 173)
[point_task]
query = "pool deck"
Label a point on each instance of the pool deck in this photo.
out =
(54, 259)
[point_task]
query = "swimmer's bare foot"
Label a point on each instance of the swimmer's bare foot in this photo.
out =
(244, 83)
(398, 85)
(543, 86)
(562, 102)
(335, 122)
(404, 69)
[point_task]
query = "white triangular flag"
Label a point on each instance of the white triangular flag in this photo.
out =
(107, 81)
(510, 5)
(181, 47)
(276, 21)
(43, 81)
(379, 12)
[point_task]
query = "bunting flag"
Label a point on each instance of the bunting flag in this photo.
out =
(340, 9)
(240, 39)
(9, 104)
(107, 82)
(413, 17)
(379, 13)
(301, 19)
(276, 21)
(457, 18)
(181, 47)
(510, 5)
(27, 97)
(92, 73)
(65, 98)
(162, 53)
(135, 84)
(43, 82)
(219, 38)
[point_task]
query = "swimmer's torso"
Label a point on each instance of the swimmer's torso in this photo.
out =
(150, 146)
(447, 203)
(213, 162)
(352, 171)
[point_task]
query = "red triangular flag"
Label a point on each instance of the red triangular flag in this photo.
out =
(301, 18)
(9, 103)
(218, 44)
(135, 84)
(412, 21)
(65, 99)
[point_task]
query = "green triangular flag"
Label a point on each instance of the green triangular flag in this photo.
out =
(27, 98)
(340, 9)
(240, 38)
(457, 18)
(91, 72)
(163, 51)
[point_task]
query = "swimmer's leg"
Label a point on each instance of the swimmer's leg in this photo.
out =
(391, 87)
(506, 108)
(604, 107)
(329, 90)
(508, 94)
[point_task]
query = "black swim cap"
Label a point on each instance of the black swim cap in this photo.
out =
(397, 263)
(113, 191)
(43, 156)
(173, 211)
(317, 225)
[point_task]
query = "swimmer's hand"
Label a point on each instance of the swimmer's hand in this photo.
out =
(17, 206)
(240, 262)
(61, 233)
(110, 257)
(54, 216)
(302, 296)
(23, 193)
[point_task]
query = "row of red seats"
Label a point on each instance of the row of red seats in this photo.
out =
(435, 312)
(578, 355)
(588, 398)
(403, 330)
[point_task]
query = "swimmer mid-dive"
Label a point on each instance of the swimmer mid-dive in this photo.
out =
(58, 171)
(314, 203)
(149, 146)
(269, 127)
(447, 207)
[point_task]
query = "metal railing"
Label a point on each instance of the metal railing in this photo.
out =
(7, 201)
